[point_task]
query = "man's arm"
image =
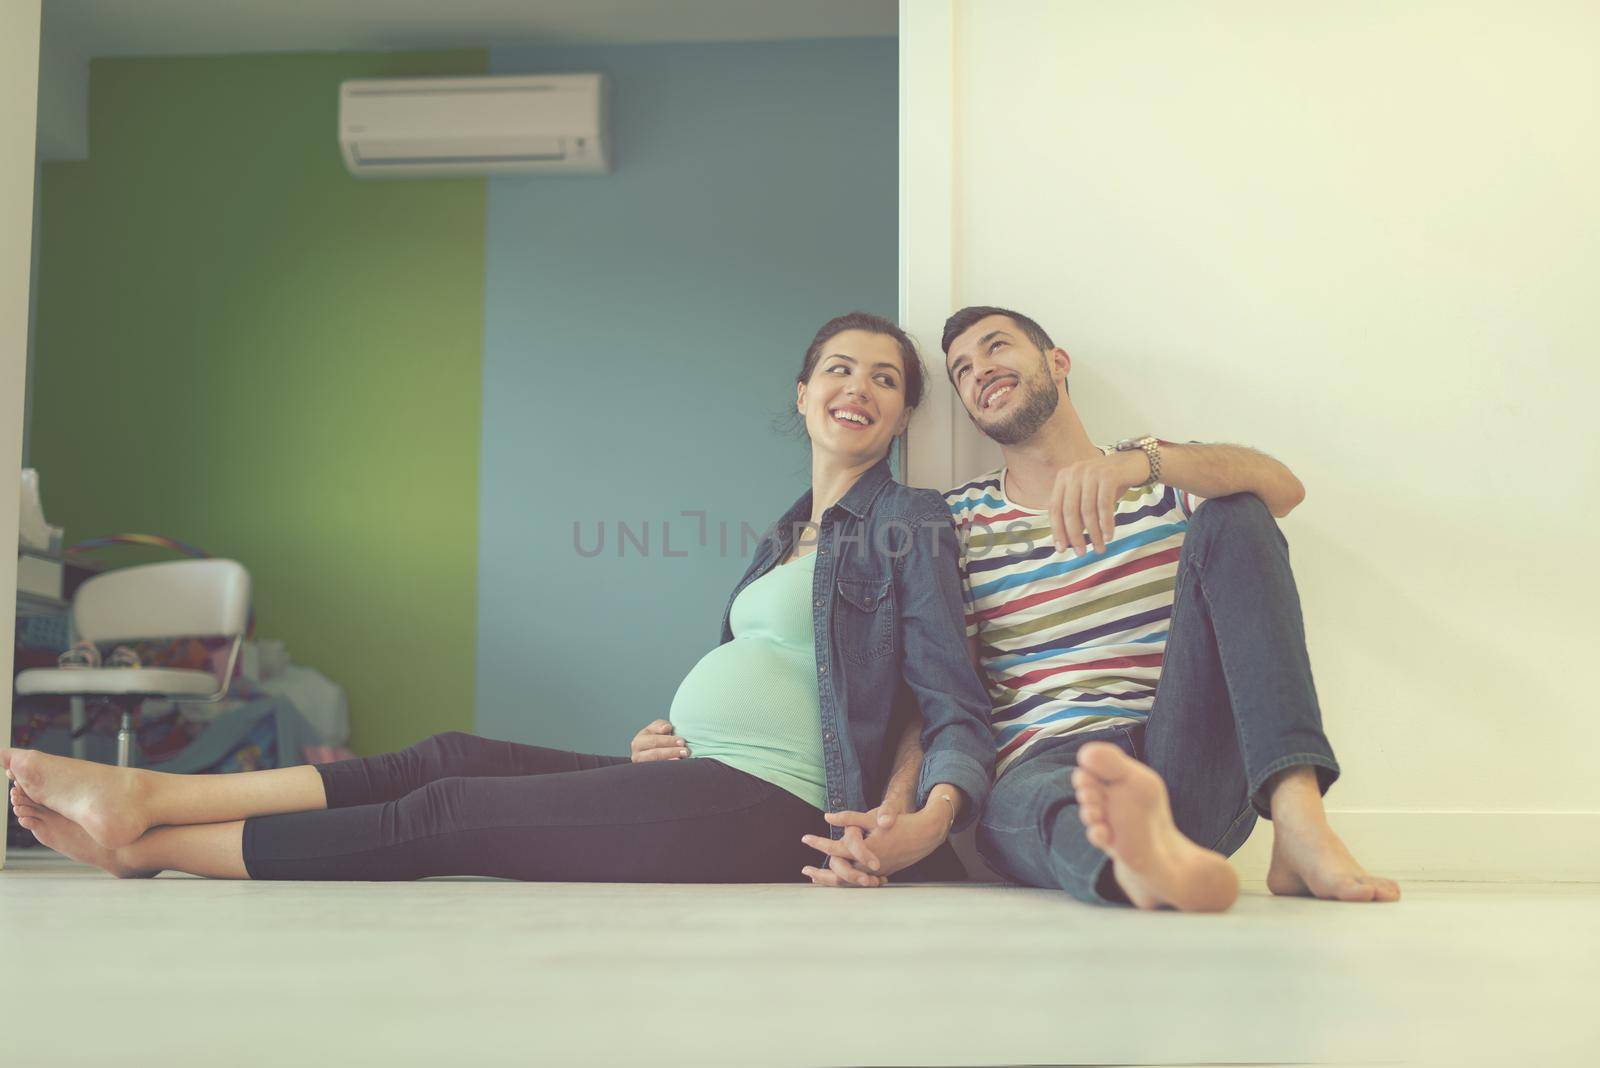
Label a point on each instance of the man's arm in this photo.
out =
(886, 822)
(902, 788)
(901, 792)
(1218, 470)
(1083, 502)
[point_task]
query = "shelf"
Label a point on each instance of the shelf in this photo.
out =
(77, 560)
(37, 604)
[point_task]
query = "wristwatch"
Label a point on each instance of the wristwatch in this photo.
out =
(1152, 452)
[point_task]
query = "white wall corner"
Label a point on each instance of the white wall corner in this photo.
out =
(927, 222)
(1465, 846)
(1425, 847)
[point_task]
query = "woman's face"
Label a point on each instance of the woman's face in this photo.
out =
(854, 403)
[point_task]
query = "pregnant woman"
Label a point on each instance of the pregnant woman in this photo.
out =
(852, 601)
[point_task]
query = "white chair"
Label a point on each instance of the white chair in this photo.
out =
(183, 599)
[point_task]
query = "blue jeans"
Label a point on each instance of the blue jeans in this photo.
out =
(1234, 706)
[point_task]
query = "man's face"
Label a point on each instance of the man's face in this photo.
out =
(1003, 380)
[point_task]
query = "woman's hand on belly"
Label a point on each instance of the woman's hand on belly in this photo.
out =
(657, 742)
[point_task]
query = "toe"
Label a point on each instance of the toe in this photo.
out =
(1104, 760)
(1356, 889)
(1099, 835)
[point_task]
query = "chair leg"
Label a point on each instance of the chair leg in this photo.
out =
(80, 747)
(125, 738)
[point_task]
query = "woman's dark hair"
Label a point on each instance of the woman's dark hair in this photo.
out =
(872, 324)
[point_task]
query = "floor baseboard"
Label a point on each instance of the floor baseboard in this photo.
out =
(1474, 847)
(1487, 847)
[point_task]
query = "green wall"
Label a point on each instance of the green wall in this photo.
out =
(241, 346)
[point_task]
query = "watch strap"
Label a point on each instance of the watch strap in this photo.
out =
(1151, 446)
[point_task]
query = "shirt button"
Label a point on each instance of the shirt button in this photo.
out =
(837, 802)
(818, 602)
(827, 736)
(822, 669)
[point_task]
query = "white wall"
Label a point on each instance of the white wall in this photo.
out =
(1363, 237)
(19, 74)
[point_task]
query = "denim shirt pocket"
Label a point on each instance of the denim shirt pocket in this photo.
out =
(865, 617)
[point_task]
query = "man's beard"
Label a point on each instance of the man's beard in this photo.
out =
(1028, 412)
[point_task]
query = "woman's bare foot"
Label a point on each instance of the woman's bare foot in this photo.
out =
(107, 802)
(1308, 858)
(1124, 807)
(67, 838)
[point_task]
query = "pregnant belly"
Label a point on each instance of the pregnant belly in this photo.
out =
(749, 692)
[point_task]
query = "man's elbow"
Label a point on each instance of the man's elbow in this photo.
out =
(1288, 498)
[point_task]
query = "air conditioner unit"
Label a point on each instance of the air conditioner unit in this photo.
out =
(413, 127)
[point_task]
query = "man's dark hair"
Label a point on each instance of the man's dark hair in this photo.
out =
(962, 321)
(872, 324)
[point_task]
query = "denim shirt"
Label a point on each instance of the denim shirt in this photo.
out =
(889, 619)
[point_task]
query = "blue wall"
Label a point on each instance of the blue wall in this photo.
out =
(642, 334)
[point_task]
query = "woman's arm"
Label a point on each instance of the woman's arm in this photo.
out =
(941, 773)
(958, 750)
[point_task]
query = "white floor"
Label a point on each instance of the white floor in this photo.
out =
(178, 970)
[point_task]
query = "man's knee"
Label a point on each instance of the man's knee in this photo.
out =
(1234, 510)
(1234, 519)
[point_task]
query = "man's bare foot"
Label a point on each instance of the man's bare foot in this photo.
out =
(1308, 858)
(67, 838)
(105, 801)
(1124, 807)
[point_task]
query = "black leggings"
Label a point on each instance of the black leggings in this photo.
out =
(458, 804)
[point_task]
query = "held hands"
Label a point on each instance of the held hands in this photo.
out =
(877, 844)
(657, 742)
(1083, 504)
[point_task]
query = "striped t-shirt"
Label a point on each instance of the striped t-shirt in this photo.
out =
(1067, 643)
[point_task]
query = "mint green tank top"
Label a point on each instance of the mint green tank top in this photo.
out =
(752, 703)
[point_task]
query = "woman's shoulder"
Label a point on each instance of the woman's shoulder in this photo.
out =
(901, 501)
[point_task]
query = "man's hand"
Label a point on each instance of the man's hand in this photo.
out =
(657, 742)
(876, 844)
(1083, 504)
